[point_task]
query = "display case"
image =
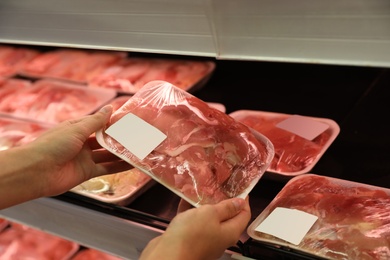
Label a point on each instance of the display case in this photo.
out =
(310, 58)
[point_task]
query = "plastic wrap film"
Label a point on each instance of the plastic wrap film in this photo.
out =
(353, 219)
(207, 155)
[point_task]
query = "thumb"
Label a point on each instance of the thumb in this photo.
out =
(96, 121)
(229, 208)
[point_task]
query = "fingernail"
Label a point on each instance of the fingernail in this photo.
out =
(106, 109)
(238, 204)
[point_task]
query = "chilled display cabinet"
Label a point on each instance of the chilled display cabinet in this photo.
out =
(311, 59)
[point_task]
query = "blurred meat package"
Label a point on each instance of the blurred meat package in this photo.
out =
(132, 73)
(204, 155)
(52, 101)
(15, 132)
(75, 65)
(294, 154)
(118, 188)
(14, 58)
(23, 242)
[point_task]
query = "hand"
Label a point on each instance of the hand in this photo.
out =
(201, 233)
(73, 155)
(59, 159)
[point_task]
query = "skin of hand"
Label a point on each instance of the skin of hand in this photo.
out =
(61, 158)
(201, 233)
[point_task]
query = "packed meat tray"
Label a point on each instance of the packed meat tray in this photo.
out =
(198, 151)
(299, 141)
(351, 219)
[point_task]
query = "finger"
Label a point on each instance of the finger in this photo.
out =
(229, 208)
(239, 222)
(96, 121)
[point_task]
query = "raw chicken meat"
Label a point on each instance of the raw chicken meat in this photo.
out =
(207, 155)
(22, 242)
(353, 219)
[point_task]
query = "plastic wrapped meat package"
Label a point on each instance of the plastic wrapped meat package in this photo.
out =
(119, 188)
(353, 218)
(119, 101)
(13, 59)
(195, 150)
(299, 143)
(75, 65)
(15, 132)
(53, 101)
(132, 73)
(22, 242)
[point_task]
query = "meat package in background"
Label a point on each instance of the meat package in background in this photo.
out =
(206, 156)
(294, 155)
(353, 218)
(14, 58)
(10, 86)
(54, 101)
(132, 73)
(15, 132)
(23, 242)
(118, 188)
(76, 65)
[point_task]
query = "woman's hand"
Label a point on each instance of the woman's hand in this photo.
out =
(201, 233)
(61, 158)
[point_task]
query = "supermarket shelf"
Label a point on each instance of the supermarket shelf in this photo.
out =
(353, 32)
(89, 228)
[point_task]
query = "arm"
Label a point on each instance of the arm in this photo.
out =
(56, 161)
(201, 233)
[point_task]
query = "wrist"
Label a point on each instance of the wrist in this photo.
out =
(21, 174)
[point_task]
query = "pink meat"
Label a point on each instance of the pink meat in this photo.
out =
(49, 102)
(22, 242)
(207, 155)
(292, 152)
(13, 59)
(354, 222)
